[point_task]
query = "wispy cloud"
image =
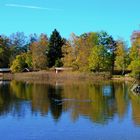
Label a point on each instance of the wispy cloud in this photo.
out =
(32, 7)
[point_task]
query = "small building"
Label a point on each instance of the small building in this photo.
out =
(5, 70)
(61, 69)
(2, 71)
(26, 70)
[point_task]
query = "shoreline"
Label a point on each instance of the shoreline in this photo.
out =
(49, 76)
(129, 79)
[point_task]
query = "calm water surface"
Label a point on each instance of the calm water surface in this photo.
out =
(84, 111)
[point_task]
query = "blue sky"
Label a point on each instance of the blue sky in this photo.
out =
(119, 18)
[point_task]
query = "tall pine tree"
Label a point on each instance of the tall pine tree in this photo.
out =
(55, 48)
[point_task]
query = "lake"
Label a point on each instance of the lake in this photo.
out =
(70, 111)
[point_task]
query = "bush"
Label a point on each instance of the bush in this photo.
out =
(22, 61)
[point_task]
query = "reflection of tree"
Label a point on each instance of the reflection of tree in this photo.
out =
(41, 95)
(90, 100)
(21, 90)
(98, 105)
(99, 102)
(55, 99)
(4, 99)
(37, 93)
(9, 102)
(40, 98)
(135, 101)
(121, 99)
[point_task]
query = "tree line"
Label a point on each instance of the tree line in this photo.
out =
(89, 52)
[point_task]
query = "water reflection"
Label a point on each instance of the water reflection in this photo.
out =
(135, 103)
(100, 103)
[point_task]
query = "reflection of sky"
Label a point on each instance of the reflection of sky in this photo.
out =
(106, 90)
(45, 128)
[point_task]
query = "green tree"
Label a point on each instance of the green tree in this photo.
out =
(18, 43)
(19, 63)
(135, 54)
(22, 61)
(99, 59)
(135, 67)
(110, 44)
(121, 60)
(54, 52)
(4, 51)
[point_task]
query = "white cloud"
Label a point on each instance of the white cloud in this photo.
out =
(32, 7)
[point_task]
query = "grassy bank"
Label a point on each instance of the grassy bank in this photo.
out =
(7, 76)
(51, 76)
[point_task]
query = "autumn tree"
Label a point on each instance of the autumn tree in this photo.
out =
(82, 46)
(122, 59)
(38, 50)
(68, 58)
(54, 52)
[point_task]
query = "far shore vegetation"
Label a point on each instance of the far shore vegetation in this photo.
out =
(93, 53)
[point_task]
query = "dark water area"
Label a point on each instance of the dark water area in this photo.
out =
(84, 111)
